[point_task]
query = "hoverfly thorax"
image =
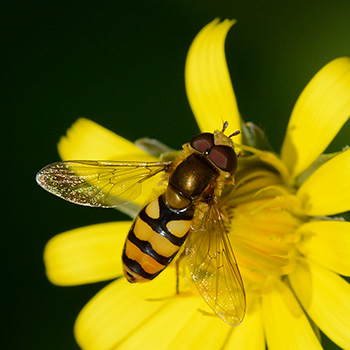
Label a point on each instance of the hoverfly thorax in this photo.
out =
(210, 155)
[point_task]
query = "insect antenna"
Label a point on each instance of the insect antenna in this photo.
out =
(237, 132)
(224, 127)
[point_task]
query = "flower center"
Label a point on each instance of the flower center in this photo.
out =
(263, 222)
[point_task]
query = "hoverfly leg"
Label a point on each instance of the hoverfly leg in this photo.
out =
(225, 214)
(177, 267)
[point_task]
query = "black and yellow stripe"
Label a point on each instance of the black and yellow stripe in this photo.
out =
(154, 239)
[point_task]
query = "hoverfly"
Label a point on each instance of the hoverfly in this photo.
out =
(187, 210)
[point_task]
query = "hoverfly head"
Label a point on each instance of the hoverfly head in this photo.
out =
(218, 147)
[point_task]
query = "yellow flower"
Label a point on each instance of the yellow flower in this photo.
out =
(290, 252)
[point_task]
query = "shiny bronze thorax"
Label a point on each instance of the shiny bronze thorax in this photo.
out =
(192, 179)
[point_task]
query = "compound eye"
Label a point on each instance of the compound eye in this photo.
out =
(203, 142)
(224, 157)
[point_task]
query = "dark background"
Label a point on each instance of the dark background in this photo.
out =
(121, 63)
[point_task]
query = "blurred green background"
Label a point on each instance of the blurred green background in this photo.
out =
(121, 64)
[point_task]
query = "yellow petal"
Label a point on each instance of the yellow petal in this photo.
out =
(320, 112)
(132, 316)
(325, 296)
(183, 327)
(327, 243)
(87, 254)
(327, 190)
(249, 334)
(87, 140)
(286, 325)
(199, 331)
(208, 82)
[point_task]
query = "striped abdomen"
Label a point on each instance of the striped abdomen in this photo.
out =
(154, 239)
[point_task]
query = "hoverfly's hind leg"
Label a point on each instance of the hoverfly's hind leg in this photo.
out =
(177, 269)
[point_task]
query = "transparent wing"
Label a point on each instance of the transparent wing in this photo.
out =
(214, 268)
(98, 184)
